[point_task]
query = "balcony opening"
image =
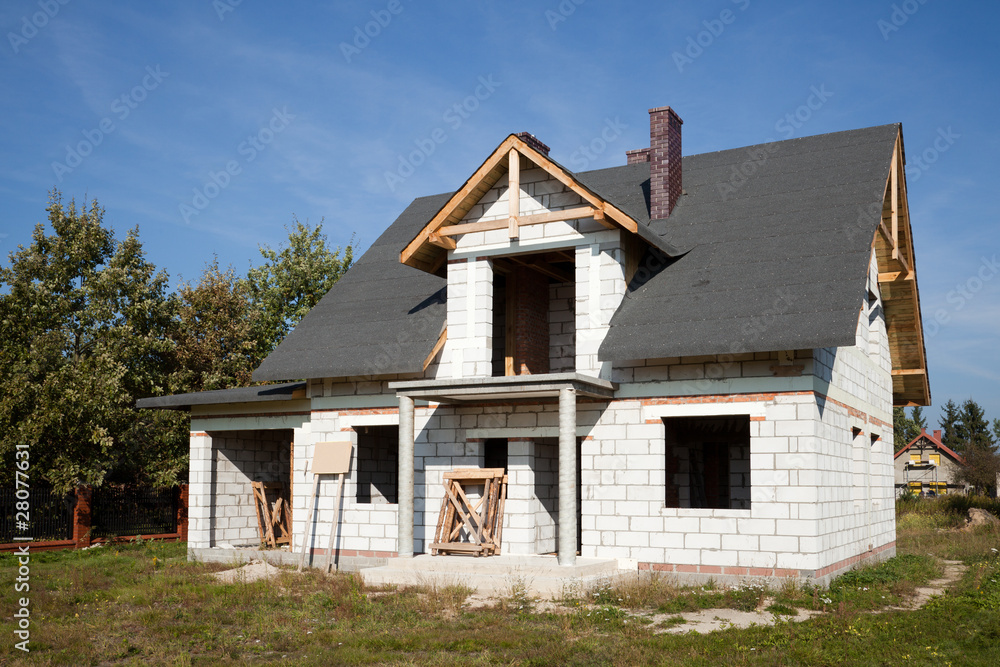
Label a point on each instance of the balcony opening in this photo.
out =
(534, 314)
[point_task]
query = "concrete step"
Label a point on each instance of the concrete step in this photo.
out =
(495, 575)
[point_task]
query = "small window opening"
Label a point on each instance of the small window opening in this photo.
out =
(378, 464)
(708, 462)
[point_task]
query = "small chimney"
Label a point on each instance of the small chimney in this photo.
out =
(533, 141)
(664, 161)
(637, 156)
(937, 435)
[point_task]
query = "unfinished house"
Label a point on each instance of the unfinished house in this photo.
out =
(926, 467)
(685, 364)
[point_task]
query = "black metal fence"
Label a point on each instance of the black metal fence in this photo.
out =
(50, 514)
(118, 511)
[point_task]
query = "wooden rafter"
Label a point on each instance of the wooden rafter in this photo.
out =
(513, 192)
(438, 346)
(424, 250)
(893, 248)
(522, 221)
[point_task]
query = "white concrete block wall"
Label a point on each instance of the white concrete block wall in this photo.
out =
(200, 491)
(238, 458)
(468, 349)
(562, 327)
(600, 288)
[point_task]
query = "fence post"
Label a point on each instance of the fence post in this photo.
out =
(82, 516)
(182, 513)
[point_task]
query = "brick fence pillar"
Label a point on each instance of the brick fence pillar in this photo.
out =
(182, 513)
(82, 516)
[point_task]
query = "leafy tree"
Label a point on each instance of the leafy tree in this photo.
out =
(219, 335)
(83, 323)
(294, 278)
(918, 419)
(980, 470)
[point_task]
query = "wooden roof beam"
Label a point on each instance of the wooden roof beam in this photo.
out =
(504, 223)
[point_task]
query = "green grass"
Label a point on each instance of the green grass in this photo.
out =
(144, 604)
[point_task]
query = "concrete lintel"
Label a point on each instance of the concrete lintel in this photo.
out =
(503, 388)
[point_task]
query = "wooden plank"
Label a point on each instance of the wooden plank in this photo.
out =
(489, 167)
(441, 241)
(522, 221)
(474, 473)
(336, 523)
(457, 546)
(309, 518)
(544, 268)
(257, 506)
(909, 371)
(513, 192)
(509, 342)
(438, 346)
(892, 276)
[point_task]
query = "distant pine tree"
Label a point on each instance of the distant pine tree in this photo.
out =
(950, 424)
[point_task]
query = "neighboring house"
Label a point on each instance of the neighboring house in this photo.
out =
(927, 467)
(688, 365)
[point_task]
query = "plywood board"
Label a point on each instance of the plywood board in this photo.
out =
(332, 458)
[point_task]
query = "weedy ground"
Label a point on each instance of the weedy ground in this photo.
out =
(144, 604)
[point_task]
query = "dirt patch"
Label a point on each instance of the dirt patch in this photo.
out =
(252, 571)
(710, 620)
(953, 571)
(978, 517)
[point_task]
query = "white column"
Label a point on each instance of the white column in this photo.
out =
(404, 545)
(567, 476)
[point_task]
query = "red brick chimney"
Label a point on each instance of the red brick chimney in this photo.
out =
(664, 161)
(534, 142)
(937, 435)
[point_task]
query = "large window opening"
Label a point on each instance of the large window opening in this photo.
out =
(708, 462)
(534, 321)
(378, 464)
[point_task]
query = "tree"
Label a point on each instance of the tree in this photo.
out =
(294, 278)
(980, 470)
(905, 428)
(918, 419)
(83, 324)
(975, 428)
(220, 333)
(951, 426)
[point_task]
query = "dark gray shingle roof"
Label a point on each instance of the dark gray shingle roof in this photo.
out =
(258, 394)
(776, 263)
(779, 262)
(382, 317)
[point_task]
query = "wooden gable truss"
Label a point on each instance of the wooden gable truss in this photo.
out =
(897, 278)
(429, 250)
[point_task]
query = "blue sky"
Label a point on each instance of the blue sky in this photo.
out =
(209, 124)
